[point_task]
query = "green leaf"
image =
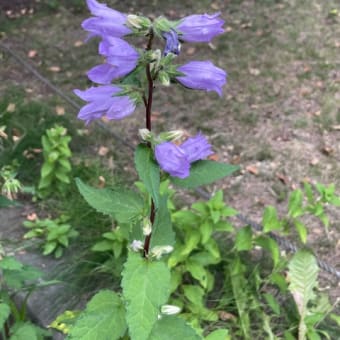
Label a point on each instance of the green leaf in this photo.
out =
(26, 330)
(146, 287)
(104, 245)
(124, 205)
(270, 220)
(162, 233)
(10, 263)
(4, 313)
(62, 177)
(206, 230)
(194, 294)
(204, 172)
(148, 171)
(65, 164)
(219, 334)
(49, 247)
(295, 204)
(302, 274)
(271, 245)
(272, 302)
(173, 327)
(198, 272)
(244, 239)
(47, 169)
(302, 230)
(103, 319)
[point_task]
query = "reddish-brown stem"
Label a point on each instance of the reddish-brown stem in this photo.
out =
(148, 108)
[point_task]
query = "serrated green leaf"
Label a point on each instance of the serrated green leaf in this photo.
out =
(62, 177)
(244, 239)
(219, 334)
(47, 169)
(104, 245)
(26, 330)
(4, 313)
(172, 327)
(206, 230)
(198, 272)
(148, 171)
(204, 172)
(194, 294)
(103, 319)
(65, 163)
(303, 273)
(146, 286)
(124, 205)
(295, 204)
(302, 230)
(49, 247)
(162, 233)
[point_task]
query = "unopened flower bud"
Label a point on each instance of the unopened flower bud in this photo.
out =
(145, 134)
(164, 78)
(139, 22)
(158, 251)
(170, 309)
(136, 245)
(147, 226)
(170, 136)
(156, 59)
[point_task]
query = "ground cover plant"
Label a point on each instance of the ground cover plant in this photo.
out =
(194, 294)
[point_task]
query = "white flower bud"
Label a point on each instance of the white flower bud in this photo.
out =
(158, 251)
(136, 245)
(145, 134)
(171, 135)
(147, 226)
(170, 309)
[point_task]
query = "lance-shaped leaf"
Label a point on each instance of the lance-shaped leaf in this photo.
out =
(204, 172)
(162, 233)
(146, 287)
(148, 171)
(123, 205)
(103, 318)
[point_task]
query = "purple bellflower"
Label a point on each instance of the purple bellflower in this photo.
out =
(176, 160)
(106, 21)
(121, 59)
(202, 75)
(104, 102)
(172, 44)
(200, 27)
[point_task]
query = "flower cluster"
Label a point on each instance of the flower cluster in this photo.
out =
(116, 97)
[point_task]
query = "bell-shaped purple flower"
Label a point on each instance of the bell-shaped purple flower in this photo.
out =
(202, 75)
(172, 44)
(106, 21)
(200, 27)
(104, 101)
(121, 59)
(196, 148)
(176, 160)
(172, 159)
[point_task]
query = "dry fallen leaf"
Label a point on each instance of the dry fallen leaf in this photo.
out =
(214, 157)
(103, 150)
(60, 110)
(54, 68)
(101, 182)
(32, 53)
(32, 216)
(10, 107)
(252, 169)
(314, 161)
(327, 150)
(225, 316)
(284, 179)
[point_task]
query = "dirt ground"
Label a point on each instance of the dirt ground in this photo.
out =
(279, 117)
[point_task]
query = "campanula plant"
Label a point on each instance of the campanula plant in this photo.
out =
(127, 79)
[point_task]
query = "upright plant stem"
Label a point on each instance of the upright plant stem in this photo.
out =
(148, 108)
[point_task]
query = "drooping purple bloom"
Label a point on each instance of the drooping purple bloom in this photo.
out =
(202, 75)
(172, 44)
(196, 148)
(106, 21)
(176, 160)
(172, 159)
(104, 101)
(200, 27)
(121, 59)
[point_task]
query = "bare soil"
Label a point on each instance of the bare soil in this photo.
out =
(279, 118)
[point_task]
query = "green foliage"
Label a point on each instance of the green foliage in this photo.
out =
(10, 184)
(55, 171)
(17, 277)
(303, 272)
(103, 318)
(146, 286)
(204, 172)
(123, 205)
(148, 171)
(55, 234)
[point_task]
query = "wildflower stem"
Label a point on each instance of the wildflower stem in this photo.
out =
(148, 108)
